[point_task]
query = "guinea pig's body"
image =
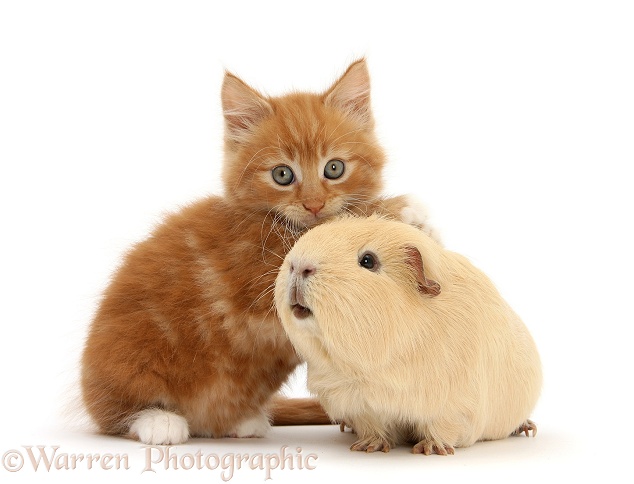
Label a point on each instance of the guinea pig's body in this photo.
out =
(404, 340)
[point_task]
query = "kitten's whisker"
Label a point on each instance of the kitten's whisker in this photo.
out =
(248, 218)
(352, 143)
(318, 138)
(264, 239)
(334, 141)
(253, 158)
(336, 128)
(367, 163)
(286, 145)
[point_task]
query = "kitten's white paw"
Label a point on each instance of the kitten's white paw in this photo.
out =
(159, 427)
(415, 213)
(253, 427)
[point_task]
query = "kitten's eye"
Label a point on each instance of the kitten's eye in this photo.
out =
(334, 169)
(369, 261)
(283, 175)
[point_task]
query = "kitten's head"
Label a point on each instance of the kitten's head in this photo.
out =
(303, 156)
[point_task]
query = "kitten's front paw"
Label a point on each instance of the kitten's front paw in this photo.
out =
(257, 426)
(416, 214)
(159, 427)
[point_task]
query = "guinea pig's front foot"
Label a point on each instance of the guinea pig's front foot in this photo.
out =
(526, 428)
(343, 425)
(429, 446)
(371, 444)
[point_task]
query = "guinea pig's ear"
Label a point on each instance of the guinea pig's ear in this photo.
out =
(415, 261)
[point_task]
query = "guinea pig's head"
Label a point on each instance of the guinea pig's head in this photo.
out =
(351, 289)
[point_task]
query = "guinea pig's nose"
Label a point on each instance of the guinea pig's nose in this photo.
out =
(305, 269)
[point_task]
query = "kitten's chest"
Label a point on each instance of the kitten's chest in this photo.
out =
(232, 258)
(236, 273)
(256, 262)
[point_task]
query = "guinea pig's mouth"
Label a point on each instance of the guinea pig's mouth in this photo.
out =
(301, 312)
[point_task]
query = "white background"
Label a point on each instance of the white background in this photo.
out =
(512, 121)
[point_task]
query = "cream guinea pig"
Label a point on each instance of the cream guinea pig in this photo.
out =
(406, 341)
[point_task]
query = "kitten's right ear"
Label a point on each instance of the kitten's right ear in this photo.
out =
(351, 93)
(242, 107)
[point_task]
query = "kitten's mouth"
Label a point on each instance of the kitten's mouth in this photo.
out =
(301, 312)
(307, 221)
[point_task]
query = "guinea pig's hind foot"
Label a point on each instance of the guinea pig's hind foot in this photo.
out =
(526, 428)
(371, 444)
(428, 447)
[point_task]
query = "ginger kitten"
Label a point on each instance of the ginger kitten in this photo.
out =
(186, 340)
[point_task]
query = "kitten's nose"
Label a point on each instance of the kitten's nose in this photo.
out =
(314, 206)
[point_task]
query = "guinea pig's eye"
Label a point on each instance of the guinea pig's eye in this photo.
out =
(334, 169)
(369, 261)
(283, 175)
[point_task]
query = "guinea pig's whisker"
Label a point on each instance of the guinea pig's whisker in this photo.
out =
(262, 295)
(253, 282)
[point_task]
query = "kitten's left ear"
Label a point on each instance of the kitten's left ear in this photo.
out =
(415, 262)
(243, 107)
(351, 93)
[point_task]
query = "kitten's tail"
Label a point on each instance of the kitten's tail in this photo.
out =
(297, 411)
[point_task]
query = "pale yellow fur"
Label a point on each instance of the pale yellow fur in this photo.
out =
(399, 365)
